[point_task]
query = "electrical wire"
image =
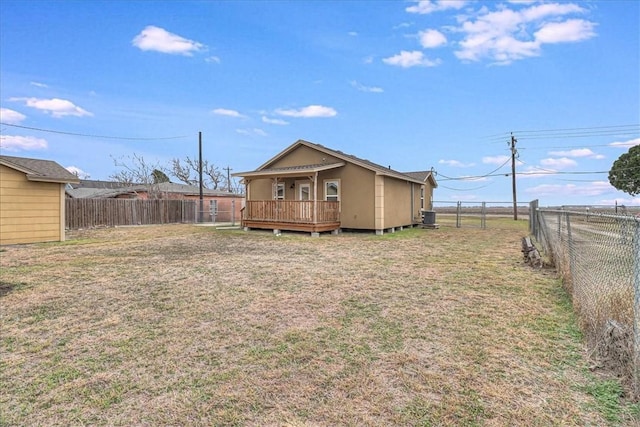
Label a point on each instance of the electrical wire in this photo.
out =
(94, 136)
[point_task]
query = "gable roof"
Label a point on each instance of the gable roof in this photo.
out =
(423, 176)
(39, 170)
(378, 169)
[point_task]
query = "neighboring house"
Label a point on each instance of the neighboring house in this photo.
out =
(220, 206)
(309, 187)
(32, 200)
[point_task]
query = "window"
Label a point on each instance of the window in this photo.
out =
(213, 207)
(278, 191)
(332, 190)
(422, 197)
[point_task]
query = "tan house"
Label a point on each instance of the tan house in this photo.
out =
(32, 200)
(309, 187)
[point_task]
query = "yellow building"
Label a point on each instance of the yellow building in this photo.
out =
(32, 200)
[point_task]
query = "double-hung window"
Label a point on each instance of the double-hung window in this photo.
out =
(332, 190)
(278, 191)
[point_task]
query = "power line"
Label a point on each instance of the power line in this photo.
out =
(94, 136)
(574, 129)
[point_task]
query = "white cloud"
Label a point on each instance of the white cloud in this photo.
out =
(495, 160)
(252, 132)
(579, 152)
(78, 172)
(431, 38)
(274, 121)
(227, 112)
(455, 163)
(626, 144)
(160, 40)
(595, 188)
(308, 112)
(572, 30)
(17, 143)
(363, 88)
(561, 163)
(406, 59)
(212, 59)
(55, 106)
(38, 84)
(353, 33)
(506, 35)
(11, 116)
(424, 7)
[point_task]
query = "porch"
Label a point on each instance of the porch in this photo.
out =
(312, 216)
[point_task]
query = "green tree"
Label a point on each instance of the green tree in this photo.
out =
(159, 176)
(625, 172)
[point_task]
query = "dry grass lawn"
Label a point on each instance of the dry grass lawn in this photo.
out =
(186, 325)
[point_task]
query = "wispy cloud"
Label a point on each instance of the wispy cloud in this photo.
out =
(271, 121)
(495, 160)
(424, 7)
(55, 106)
(38, 84)
(252, 132)
(18, 143)
(626, 144)
(406, 59)
(560, 163)
(310, 111)
(212, 59)
(158, 39)
(78, 172)
(578, 152)
(363, 88)
(11, 116)
(227, 112)
(595, 188)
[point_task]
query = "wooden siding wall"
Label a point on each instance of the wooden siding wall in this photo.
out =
(29, 211)
(88, 213)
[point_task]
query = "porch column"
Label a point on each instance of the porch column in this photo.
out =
(315, 197)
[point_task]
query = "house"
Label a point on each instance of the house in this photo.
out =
(32, 200)
(309, 187)
(219, 206)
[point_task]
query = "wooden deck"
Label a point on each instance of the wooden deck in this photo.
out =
(296, 215)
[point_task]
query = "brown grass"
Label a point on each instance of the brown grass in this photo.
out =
(186, 325)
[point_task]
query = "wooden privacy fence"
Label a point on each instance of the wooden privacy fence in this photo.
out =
(88, 213)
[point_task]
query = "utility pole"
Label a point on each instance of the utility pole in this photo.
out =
(201, 218)
(228, 169)
(513, 175)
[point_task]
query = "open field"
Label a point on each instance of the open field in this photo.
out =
(188, 325)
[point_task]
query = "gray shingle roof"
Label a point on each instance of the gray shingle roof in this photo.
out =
(39, 170)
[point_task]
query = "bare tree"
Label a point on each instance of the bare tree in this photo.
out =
(188, 171)
(135, 170)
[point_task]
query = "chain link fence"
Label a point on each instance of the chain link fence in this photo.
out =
(474, 214)
(598, 257)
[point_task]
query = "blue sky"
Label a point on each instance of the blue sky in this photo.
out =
(413, 85)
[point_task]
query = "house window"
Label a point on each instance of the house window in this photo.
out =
(278, 191)
(332, 190)
(422, 197)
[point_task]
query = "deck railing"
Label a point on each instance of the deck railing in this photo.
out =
(292, 211)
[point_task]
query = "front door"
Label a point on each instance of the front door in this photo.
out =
(304, 195)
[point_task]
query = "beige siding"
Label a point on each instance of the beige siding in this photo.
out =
(29, 211)
(398, 209)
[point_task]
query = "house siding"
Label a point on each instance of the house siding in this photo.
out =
(29, 211)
